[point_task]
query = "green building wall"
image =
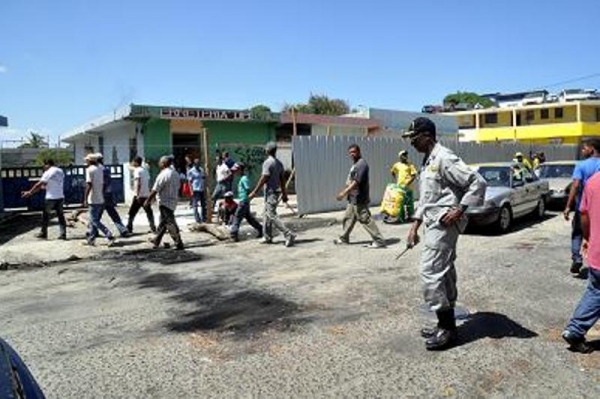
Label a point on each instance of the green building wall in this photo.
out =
(157, 142)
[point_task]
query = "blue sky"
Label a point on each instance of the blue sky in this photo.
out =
(65, 62)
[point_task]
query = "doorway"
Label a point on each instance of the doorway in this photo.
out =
(185, 144)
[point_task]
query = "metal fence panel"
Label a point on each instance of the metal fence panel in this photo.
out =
(322, 164)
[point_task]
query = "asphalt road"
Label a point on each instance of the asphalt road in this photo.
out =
(243, 319)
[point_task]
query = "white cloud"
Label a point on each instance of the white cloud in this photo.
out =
(3, 69)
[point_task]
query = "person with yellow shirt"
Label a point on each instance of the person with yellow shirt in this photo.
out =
(405, 174)
(523, 160)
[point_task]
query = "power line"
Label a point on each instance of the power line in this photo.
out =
(586, 77)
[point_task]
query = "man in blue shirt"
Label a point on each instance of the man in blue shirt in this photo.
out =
(582, 173)
(243, 210)
(196, 177)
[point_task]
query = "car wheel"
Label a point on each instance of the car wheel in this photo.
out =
(540, 210)
(504, 222)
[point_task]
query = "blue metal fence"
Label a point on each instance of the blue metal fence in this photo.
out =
(16, 180)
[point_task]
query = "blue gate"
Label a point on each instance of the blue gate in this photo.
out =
(17, 180)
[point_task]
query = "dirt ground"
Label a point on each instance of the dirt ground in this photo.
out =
(245, 319)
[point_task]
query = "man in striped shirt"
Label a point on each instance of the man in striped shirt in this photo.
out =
(166, 187)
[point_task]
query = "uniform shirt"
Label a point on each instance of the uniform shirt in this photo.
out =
(446, 182)
(223, 173)
(54, 179)
(582, 172)
(273, 169)
(94, 174)
(244, 187)
(404, 173)
(359, 172)
(590, 205)
(167, 186)
(141, 179)
(196, 178)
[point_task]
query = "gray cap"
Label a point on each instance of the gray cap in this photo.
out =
(166, 159)
(270, 146)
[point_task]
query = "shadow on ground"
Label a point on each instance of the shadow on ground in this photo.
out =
(491, 325)
(220, 307)
(163, 256)
(20, 224)
(518, 225)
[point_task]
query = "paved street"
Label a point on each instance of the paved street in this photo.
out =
(243, 319)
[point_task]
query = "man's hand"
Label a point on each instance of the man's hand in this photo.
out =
(25, 194)
(413, 238)
(284, 198)
(147, 203)
(452, 217)
(566, 214)
(251, 196)
(340, 196)
(84, 203)
(585, 246)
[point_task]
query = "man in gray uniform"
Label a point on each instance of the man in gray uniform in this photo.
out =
(274, 182)
(447, 187)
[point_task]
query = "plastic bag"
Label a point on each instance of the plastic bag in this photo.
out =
(392, 200)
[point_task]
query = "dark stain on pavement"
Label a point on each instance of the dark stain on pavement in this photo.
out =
(222, 307)
(162, 256)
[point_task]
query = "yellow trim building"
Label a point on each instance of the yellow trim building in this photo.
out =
(549, 123)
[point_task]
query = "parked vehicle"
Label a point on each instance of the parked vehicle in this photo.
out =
(509, 196)
(559, 175)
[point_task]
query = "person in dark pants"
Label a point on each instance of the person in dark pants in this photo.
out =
(53, 182)
(196, 178)
(109, 201)
(583, 171)
(587, 312)
(243, 210)
(223, 179)
(166, 187)
(141, 180)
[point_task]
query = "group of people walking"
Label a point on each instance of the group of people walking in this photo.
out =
(448, 187)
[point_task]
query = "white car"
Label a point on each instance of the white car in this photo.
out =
(508, 196)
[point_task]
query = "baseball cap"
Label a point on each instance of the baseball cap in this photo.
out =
(403, 152)
(238, 165)
(228, 194)
(90, 157)
(519, 154)
(418, 126)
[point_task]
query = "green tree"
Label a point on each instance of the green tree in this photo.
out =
(34, 141)
(261, 112)
(467, 97)
(321, 105)
(61, 156)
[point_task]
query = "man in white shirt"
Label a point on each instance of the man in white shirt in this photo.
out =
(141, 189)
(53, 182)
(166, 187)
(223, 175)
(94, 197)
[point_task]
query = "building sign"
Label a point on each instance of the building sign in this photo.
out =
(3, 121)
(205, 114)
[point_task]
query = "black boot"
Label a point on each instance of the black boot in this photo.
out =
(445, 336)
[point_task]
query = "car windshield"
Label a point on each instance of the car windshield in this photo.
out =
(554, 171)
(495, 176)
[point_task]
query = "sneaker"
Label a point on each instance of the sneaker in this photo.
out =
(125, 234)
(179, 247)
(577, 344)
(153, 242)
(62, 237)
(265, 240)
(375, 245)
(290, 240)
(111, 242)
(89, 243)
(42, 236)
(576, 268)
(339, 241)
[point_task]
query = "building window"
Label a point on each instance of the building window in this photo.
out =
(597, 114)
(530, 115)
(132, 148)
(101, 144)
(491, 119)
(544, 113)
(558, 113)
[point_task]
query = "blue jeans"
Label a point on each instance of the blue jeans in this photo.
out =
(241, 213)
(199, 197)
(95, 215)
(587, 312)
(576, 238)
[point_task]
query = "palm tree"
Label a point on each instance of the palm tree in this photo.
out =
(35, 141)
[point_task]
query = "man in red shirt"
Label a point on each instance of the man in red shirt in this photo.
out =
(587, 312)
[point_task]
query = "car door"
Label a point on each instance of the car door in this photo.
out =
(518, 197)
(533, 189)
